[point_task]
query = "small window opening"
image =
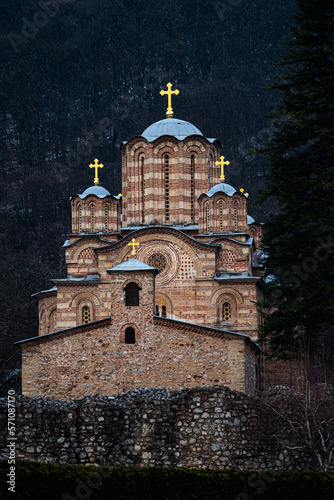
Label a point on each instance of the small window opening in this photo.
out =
(92, 218)
(132, 294)
(164, 312)
(85, 314)
(227, 312)
(130, 336)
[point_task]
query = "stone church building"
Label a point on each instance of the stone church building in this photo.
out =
(162, 280)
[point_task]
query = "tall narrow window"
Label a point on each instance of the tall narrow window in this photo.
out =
(209, 170)
(85, 314)
(106, 217)
(221, 216)
(132, 294)
(130, 336)
(79, 219)
(92, 218)
(142, 173)
(235, 215)
(192, 188)
(167, 214)
(227, 312)
(157, 312)
(207, 217)
(164, 312)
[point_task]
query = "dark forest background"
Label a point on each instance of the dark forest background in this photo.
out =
(78, 77)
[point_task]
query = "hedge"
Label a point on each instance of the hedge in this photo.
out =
(36, 480)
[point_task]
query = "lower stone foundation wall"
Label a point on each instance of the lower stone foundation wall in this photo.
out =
(199, 427)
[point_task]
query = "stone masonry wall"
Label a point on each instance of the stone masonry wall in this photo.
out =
(201, 427)
(93, 359)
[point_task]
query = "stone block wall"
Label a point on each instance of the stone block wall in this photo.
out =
(93, 359)
(202, 427)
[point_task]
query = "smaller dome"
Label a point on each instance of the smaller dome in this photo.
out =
(98, 191)
(222, 188)
(250, 219)
(170, 126)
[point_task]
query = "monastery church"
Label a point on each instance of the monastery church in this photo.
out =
(162, 279)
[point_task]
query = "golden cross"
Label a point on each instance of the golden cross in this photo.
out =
(169, 92)
(96, 166)
(222, 163)
(133, 244)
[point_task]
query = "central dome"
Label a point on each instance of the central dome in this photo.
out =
(170, 126)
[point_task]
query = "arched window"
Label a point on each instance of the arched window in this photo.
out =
(52, 320)
(227, 312)
(79, 219)
(130, 336)
(142, 173)
(42, 322)
(167, 214)
(85, 315)
(207, 217)
(164, 312)
(221, 216)
(106, 217)
(157, 312)
(92, 217)
(192, 188)
(132, 294)
(235, 215)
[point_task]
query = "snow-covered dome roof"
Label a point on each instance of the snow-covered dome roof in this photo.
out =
(98, 191)
(170, 126)
(250, 219)
(222, 188)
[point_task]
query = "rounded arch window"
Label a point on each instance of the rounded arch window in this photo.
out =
(106, 216)
(130, 337)
(226, 312)
(132, 294)
(85, 314)
(92, 217)
(79, 218)
(235, 215)
(207, 217)
(167, 213)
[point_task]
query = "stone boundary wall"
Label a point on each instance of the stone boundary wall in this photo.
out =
(199, 427)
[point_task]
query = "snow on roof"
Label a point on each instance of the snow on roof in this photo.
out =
(250, 219)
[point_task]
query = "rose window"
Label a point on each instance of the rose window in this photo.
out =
(158, 261)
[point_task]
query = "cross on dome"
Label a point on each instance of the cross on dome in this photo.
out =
(96, 166)
(169, 93)
(222, 162)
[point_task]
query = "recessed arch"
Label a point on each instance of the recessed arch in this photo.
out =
(162, 300)
(52, 322)
(226, 291)
(166, 239)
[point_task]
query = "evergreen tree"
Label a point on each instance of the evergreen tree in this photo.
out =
(299, 239)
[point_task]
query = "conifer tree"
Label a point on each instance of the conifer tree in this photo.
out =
(299, 238)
